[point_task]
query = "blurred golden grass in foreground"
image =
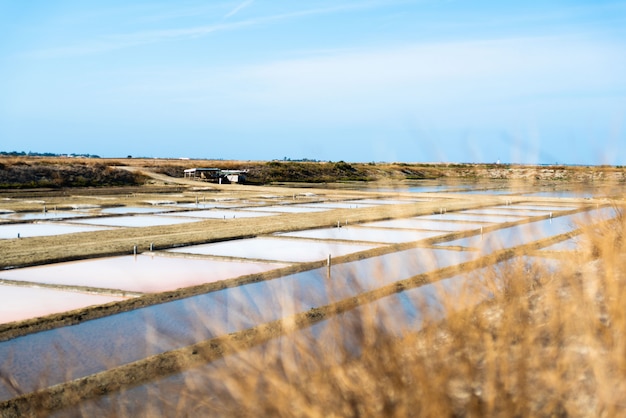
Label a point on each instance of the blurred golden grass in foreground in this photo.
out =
(547, 343)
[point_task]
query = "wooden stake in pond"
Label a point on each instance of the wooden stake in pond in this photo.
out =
(151, 246)
(135, 250)
(328, 264)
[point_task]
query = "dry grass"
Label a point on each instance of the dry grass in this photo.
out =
(546, 343)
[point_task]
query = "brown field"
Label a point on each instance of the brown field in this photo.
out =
(546, 344)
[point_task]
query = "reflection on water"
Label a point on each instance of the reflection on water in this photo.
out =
(526, 233)
(10, 231)
(97, 345)
(49, 215)
(141, 273)
(364, 234)
(292, 250)
(136, 220)
(311, 348)
(19, 303)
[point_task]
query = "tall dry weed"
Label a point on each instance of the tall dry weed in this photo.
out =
(523, 338)
(550, 340)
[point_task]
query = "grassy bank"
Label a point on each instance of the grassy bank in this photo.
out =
(61, 172)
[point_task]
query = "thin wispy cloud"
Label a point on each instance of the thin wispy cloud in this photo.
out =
(239, 8)
(127, 40)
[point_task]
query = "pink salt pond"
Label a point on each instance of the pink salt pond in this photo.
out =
(20, 303)
(285, 209)
(141, 273)
(282, 249)
(416, 223)
(135, 220)
(10, 231)
(221, 214)
(364, 234)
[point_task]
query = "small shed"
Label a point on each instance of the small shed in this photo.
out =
(203, 173)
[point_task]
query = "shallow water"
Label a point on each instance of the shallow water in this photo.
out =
(385, 201)
(141, 273)
(221, 214)
(311, 348)
(522, 213)
(338, 205)
(289, 250)
(136, 220)
(19, 303)
(133, 209)
(49, 215)
(364, 234)
(549, 208)
(471, 217)
(10, 231)
(284, 209)
(118, 339)
(417, 223)
(526, 233)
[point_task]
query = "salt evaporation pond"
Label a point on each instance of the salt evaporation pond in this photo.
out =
(49, 215)
(549, 208)
(122, 210)
(565, 194)
(20, 303)
(141, 273)
(338, 205)
(506, 212)
(385, 201)
(285, 249)
(364, 234)
(417, 223)
(284, 209)
(103, 343)
(471, 217)
(396, 314)
(221, 214)
(529, 232)
(42, 229)
(207, 205)
(136, 220)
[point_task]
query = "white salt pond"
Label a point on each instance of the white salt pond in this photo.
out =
(141, 273)
(103, 343)
(285, 209)
(522, 213)
(49, 215)
(208, 205)
(136, 220)
(221, 214)
(471, 217)
(417, 223)
(9, 231)
(549, 208)
(133, 209)
(385, 201)
(19, 303)
(282, 249)
(338, 205)
(529, 232)
(364, 234)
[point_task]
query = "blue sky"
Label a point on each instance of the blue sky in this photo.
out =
(413, 81)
